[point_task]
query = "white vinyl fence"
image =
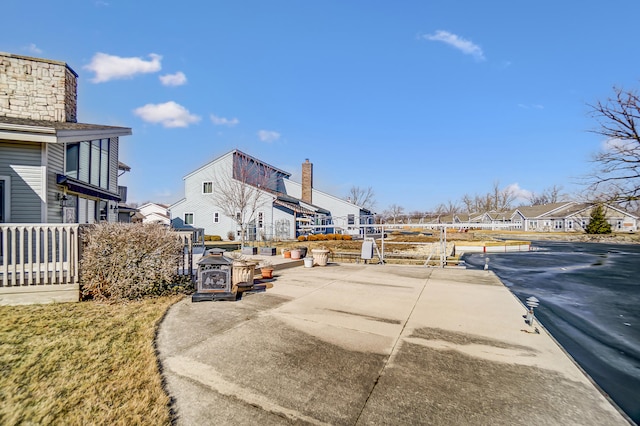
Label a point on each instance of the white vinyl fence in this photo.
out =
(38, 255)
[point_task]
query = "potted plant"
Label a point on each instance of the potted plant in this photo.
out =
(266, 269)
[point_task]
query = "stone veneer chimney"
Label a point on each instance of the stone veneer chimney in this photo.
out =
(37, 89)
(307, 181)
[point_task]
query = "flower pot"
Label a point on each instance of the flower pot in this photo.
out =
(295, 254)
(242, 272)
(320, 257)
(267, 272)
(308, 262)
(286, 254)
(303, 252)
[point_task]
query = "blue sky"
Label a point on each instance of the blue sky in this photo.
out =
(424, 101)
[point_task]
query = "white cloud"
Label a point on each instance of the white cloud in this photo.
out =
(222, 121)
(169, 114)
(519, 193)
(109, 67)
(268, 135)
(32, 48)
(177, 79)
(465, 46)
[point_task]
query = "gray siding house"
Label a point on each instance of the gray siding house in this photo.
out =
(569, 217)
(284, 209)
(52, 168)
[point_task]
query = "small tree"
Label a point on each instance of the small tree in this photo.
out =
(598, 223)
(239, 192)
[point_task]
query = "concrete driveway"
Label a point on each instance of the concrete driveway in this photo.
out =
(372, 344)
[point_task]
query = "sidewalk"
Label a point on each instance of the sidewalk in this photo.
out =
(371, 344)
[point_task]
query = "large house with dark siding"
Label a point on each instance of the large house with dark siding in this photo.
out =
(52, 168)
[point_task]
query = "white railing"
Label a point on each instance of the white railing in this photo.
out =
(38, 254)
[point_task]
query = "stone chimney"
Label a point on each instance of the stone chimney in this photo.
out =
(37, 89)
(307, 181)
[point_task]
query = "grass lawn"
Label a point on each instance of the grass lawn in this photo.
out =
(82, 363)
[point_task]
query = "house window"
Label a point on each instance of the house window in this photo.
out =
(216, 217)
(583, 223)
(260, 218)
(569, 224)
(351, 219)
(207, 187)
(619, 224)
(89, 162)
(533, 224)
(558, 224)
(188, 218)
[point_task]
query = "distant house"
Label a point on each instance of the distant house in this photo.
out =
(286, 208)
(155, 213)
(569, 216)
(52, 168)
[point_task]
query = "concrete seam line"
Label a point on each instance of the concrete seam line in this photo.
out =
(193, 370)
(393, 349)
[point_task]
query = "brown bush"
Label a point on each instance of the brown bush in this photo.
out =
(212, 238)
(302, 238)
(128, 261)
(347, 237)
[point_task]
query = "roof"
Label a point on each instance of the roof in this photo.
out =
(236, 151)
(23, 129)
(543, 209)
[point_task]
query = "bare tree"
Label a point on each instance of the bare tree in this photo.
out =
(502, 198)
(549, 195)
(448, 208)
(363, 197)
(469, 204)
(617, 172)
(394, 212)
(239, 192)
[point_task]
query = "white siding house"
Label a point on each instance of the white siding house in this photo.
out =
(154, 213)
(284, 209)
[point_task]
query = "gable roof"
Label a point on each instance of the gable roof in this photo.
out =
(237, 151)
(538, 211)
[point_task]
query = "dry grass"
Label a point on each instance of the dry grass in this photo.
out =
(82, 363)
